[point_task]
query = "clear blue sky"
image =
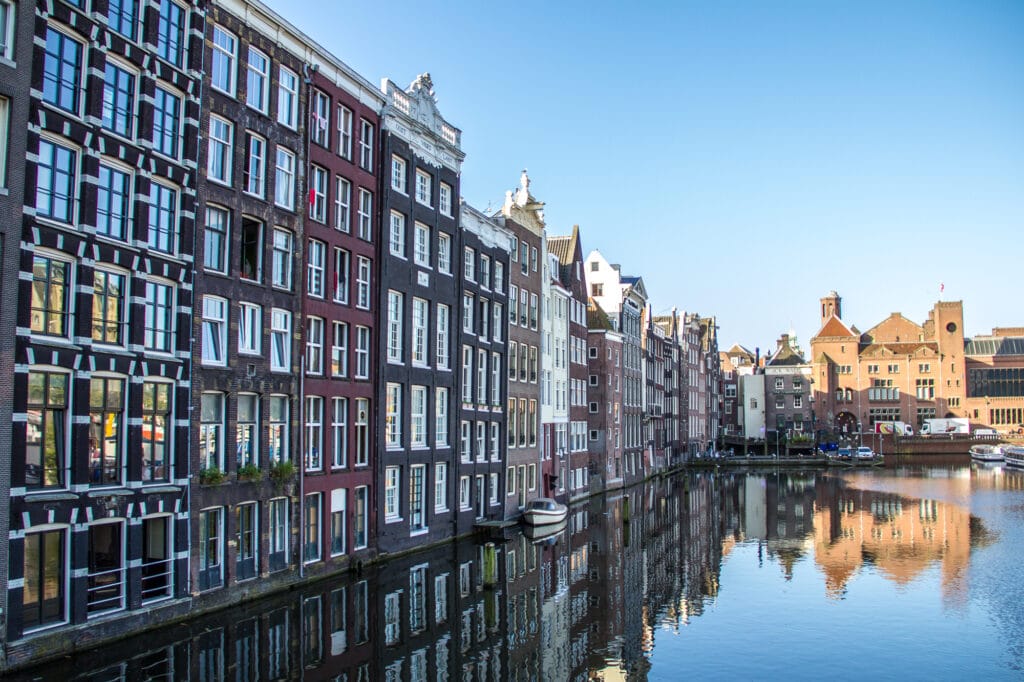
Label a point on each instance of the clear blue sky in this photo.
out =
(744, 158)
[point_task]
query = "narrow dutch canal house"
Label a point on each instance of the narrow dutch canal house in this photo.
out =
(418, 457)
(574, 471)
(523, 216)
(483, 384)
(248, 294)
(623, 299)
(99, 495)
(604, 400)
(340, 315)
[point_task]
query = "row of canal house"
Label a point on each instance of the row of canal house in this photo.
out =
(258, 336)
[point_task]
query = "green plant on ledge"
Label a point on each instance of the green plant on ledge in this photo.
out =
(249, 472)
(211, 476)
(281, 472)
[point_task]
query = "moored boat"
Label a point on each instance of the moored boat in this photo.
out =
(1013, 455)
(985, 452)
(544, 511)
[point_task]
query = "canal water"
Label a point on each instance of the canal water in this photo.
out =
(907, 572)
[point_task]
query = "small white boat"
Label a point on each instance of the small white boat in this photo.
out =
(984, 452)
(1014, 456)
(544, 511)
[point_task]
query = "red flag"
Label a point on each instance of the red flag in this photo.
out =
(312, 196)
(942, 287)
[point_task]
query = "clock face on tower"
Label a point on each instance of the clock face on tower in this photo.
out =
(951, 327)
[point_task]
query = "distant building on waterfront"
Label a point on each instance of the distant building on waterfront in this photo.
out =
(995, 379)
(788, 407)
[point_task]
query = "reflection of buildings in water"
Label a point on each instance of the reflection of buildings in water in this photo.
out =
(900, 537)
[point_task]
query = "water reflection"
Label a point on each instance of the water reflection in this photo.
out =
(581, 604)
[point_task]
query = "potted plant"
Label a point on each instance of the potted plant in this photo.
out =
(282, 472)
(249, 472)
(211, 476)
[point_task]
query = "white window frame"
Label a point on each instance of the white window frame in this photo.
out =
(421, 244)
(424, 187)
(443, 327)
(280, 340)
(344, 132)
(254, 74)
(215, 331)
(363, 274)
(396, 235)
(287, 97)
(398, 175)
(440, 487)
(395, 327)
(256, 165)
(228, 53)
(284, 178)
(315, 330)
(444, 253)
(250, 329)
(444, 199)
(441, 416)
(343, 205)
(418, 416)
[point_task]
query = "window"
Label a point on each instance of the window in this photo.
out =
(464, 492)
(467, 313)
(513, 303)
(495, 442)
(338, 518)
(314, 433)
(485, 319)
(62, 71)
(499, 277)
(398, 174)
(485, 271)
(498, 315)
(496, 379)
(444, 253)
(344, 132)
(106, 417)
(211, 548)
(362, 424)
(280, 533)
(533, 257)
(481, 441)
(339, 432)
(118, 100)
(524, 257)
(55, 182)
(481, 377)
(170, 38)
(45, 566)
(440, 487)
(215, 330)
(219, 160)
(222, 63)
(365, 145)
(250, 264)
(513, 361)
(469, 264)
(215, 241)
(420, 309)
(362, 352)
(392, 475)
(395, 333)
(467, 374)
(257, 79)
(287, 97)
(46, 438)
(158, 332)
(396, 241)
(122, 17)
(166, 122)
(363, 283)
(109, 297)
(247, 516)
(277, 432)
(442, 336)
(393, 416)
(342, 204)
(163, 222)
(320, 118)
(284, 179)
(255, 166)
(445, 198)
(51, 296)
(417, 507)
(5, 123)
(246, 430)
(318, 194)
(113, 202)
(533, 311)
(441, 416)
(421, 250)
(317, 256)
(360, 522)
(280, 340)
(418, 416)
(282, 259)
(423, 188)
(365, 215)
(339, 349)
(315, 345)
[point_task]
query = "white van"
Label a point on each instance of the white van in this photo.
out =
(985, 432)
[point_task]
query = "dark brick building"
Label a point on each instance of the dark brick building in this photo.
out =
(605, 401)
(523, 216)
(99, 500)
(246, 411)
(483, 382)
(340, 307)
(420, 248)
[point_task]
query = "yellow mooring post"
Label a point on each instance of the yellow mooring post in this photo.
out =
(490, 565)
